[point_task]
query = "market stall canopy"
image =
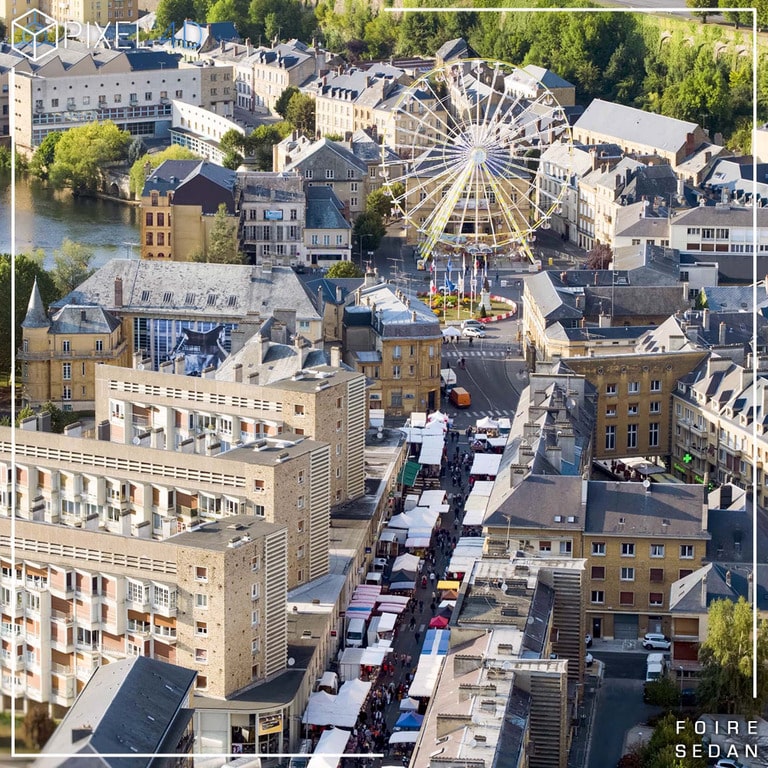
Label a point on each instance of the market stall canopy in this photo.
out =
(409, 721)
(404, 737)
(497, 442)
(418, 542)
(406, 563)
(439, 622)
(434, 428)
(331, 745)
(425, 678)
(431, 450)
(341, 710)
(409, 473)
(448, 584)
(487, 423)
(432, 498)
(411, 435)
(451, 333)
(486, 464)
(387, 622)
(418, 419)
(505, 425)
(483, 487)
(408, 704)
(474, 510)
(438, 416)
(411, 501)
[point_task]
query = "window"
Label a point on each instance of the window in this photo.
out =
(397, 352)
(300, 552)
(66, 371)
(610, 389)
(598, 572)
(626, 598)
(201, 573)
(254, 618)
(631, 435)
(686, 551)
(610, 438)
(634, 387)
(201, 628)
(598, 548)
(202, 682)
(655, 385)
(255, 563)
(656, 574)
(66, 393)
(566, 547)
(65, 346)
(329, 173)
(655, 406)
(657, 550)
(201, 655)
(656, 598)
(597, 596)
(632, 409)
(255, 591)
(300, 502)
(683, 572)
(627, 549)
(395, 371)
(255, 646)
(545, 546)
(300, 526)
(99, 345)
(298, 410)
(147, 95)
(653, 434)
(627, 574)
(201, 601)
(308, 173)
(610, 412)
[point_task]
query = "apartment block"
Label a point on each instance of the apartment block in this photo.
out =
(167, 411)
(713, 431)
(76, 599)
(150, 494)
(272, 217)
(396, 341)
(59, 355)
(78, 85)
(81, 11)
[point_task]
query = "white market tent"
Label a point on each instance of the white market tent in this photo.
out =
(431, 449)
(411, 435)
(387, 622)
(329, 748)
(451, 333)
(417, 542)
(474, 510)
(497, 442)
(483, 487)
(438, 416)
(408, 704)
(486, 464)
(406, 563)
(433, 654)
(341, 710)
(411, 501)
(487, 423)
(404, 737)
(432, 498)
(418, 419)
(436, 427)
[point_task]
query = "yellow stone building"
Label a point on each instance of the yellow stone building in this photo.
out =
(59, 355)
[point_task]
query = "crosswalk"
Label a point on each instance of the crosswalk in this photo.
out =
(495, 414)
(457, 355)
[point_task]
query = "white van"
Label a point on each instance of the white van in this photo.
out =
(656, 667)
(355, 633)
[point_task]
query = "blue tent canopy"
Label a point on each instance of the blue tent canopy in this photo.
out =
(409, 720)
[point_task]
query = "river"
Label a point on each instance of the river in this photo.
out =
(45, 217)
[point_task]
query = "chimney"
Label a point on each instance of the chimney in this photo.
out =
(604, 320)
(238, 372)
(178, 365)
(339, 296)
(78, 734)
(118, 292)
(704, 512)
(705, 319)
(721, 334)
(704, 591)
(584, 492)
(564, 278)
(413, 316)
(73, 430)
(728, 578)
(750, 594)
(517, 474)
(336, 356)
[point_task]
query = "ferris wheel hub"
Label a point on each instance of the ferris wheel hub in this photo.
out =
(478, 155)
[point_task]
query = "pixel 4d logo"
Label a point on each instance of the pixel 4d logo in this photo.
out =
(34, 35)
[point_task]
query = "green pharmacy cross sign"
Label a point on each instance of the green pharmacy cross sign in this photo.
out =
(687, 458)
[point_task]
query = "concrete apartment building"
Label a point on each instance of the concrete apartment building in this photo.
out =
(59, 355)
(272, 215)
(178, 204)
(395, 340)
(125, 489)
(175, 308)
(713, 411)
(100, 12)
(77, 85)
(323, 404)
(200, 130)
(81, 598)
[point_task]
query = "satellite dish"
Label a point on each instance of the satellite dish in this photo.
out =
(291, 661)
(136, 440)
(646, 483)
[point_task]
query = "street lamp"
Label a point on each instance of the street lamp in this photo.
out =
(361, 239)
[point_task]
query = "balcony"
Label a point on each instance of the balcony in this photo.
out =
(164, 634)
(63, 692)
(12, 631)
(12, 662)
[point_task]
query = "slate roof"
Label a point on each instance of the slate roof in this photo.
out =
(635, 125)
(734, 298)
(616, 508)
(324, 210)
(36, 316)
(627, 301)
(73, 319)
(720, 216)
(142, 59)
(326, 145)
(152, 691)
(554, 304)
(454, 49)
(224, 291)
(394, 318)
(167, 176)
(546, 77)
(328, 288)
(713, 578)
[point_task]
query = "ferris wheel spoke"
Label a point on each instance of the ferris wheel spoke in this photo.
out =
(508, 205)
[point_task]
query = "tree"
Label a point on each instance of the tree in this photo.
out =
(38, 726)
(229, 10)
(660, 752)
(709, 7)
(222, 240)
(600, 257)
(136, 150)
(45, 154)
(258, 146)
(82, 152)
(726, 657)
(138, 173)
(72, 265)
(28, 267)
(300, 113)
(344, 269)
(379, 203)
(281, 105)
(232, 160)
(171, 15)
(369, 230)
(663, 692)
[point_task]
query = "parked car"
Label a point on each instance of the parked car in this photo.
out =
(727, 762)
(655, 640)
(471, 324)
(473, 333)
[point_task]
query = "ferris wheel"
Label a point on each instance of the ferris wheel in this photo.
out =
(468, 139)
